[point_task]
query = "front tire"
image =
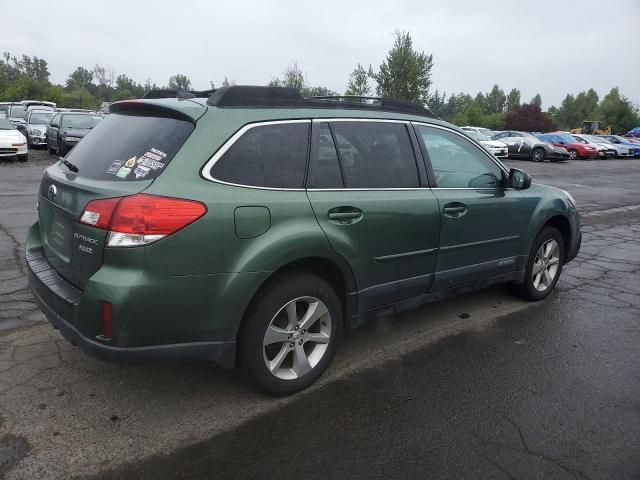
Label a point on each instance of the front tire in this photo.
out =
(290, 333)
(544, 265)
(538, 154)
(573, 154)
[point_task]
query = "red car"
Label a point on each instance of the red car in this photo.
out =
(576, 150)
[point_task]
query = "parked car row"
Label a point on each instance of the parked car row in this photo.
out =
(554, 146)
(43, 124)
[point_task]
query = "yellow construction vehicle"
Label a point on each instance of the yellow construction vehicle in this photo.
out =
(592, 127)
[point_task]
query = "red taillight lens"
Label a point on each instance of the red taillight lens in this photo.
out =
(140, 219)
(153, 215)
(98, 213)
(107, 320)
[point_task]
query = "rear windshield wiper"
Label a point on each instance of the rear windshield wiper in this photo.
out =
(69, 165)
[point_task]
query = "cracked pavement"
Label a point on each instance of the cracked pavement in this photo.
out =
(481, 386)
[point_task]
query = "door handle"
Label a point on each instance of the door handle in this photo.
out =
(454, 210)
(345, 215)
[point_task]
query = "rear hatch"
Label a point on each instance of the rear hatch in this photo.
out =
(119, 157)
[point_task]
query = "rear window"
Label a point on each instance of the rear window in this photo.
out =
(126, 147)
(80, 120)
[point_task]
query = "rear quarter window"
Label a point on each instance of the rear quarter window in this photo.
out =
(126, 147)
(270, 155)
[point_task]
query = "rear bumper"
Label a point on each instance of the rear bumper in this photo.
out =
(222, 353)
(155, 329)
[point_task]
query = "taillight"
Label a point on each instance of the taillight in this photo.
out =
(140, 219)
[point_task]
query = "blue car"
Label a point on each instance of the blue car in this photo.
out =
(618, 140)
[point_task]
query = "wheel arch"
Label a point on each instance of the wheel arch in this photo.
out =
(562, 224)
(335, 271)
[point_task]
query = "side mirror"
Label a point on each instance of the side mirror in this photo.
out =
(518, 179)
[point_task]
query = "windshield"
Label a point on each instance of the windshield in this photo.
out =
(485, 131)
(6, 124)
(579, 139)
(144, 147)
(80, 121)
(477, 136)
(599, 139)
(41, 118)
(18, 111)
(565, 138)
(620, 139)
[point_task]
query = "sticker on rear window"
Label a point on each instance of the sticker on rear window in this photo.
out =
(150, 163)
(141, 171)
(115, 166)
(131, 162)
(123, 172)
(159, 152)
(152, 156)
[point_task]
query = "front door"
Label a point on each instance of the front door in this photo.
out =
(368, 199)
(482, 221)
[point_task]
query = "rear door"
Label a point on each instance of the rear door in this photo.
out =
(482, 222)
(372, 202)
(120, 157)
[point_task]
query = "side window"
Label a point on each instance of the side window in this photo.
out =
(324, 167)
(55, 121)
(375, 155)
(267, 156)
(457, 163)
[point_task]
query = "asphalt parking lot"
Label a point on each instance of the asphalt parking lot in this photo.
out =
(481, 386)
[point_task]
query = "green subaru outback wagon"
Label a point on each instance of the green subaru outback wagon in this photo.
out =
(252, 225)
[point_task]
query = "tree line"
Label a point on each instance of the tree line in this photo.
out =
(405, 73)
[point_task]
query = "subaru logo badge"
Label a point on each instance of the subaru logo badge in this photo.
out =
(51, 193)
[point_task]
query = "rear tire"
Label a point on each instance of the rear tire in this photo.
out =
(544, 265)
(280, 352)
(573, 155)
(537, 155)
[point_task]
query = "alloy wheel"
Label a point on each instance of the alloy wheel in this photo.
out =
(573, 154)
(545, 265)
(538, 154)
(297, 338)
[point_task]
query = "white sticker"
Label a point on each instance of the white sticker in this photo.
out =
(158, 152)
(147, 162)
(141, 171)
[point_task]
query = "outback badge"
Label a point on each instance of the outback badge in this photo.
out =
(51, 193)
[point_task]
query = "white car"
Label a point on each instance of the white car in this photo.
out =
(12, 142)
(498, 148)
(482, 130)
(621, 150)
(605, 150)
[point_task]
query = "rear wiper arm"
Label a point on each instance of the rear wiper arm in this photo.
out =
(69, 165)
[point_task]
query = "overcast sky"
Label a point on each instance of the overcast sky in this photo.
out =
(553, 47)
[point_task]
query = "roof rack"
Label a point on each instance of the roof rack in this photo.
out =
(178, 93)
(265, 97)
(259, 96)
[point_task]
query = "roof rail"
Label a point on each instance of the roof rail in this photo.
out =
(177, 93)
(260, 96)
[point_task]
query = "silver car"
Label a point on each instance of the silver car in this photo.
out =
(37, 122)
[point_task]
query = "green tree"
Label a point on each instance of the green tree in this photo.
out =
(358, 82)
(616, 110)
(495, 100)
(79, 78)
(179, 81)
(536, 100)
(438, 103)
(405, 73)
(513, 99)
(293, 78)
